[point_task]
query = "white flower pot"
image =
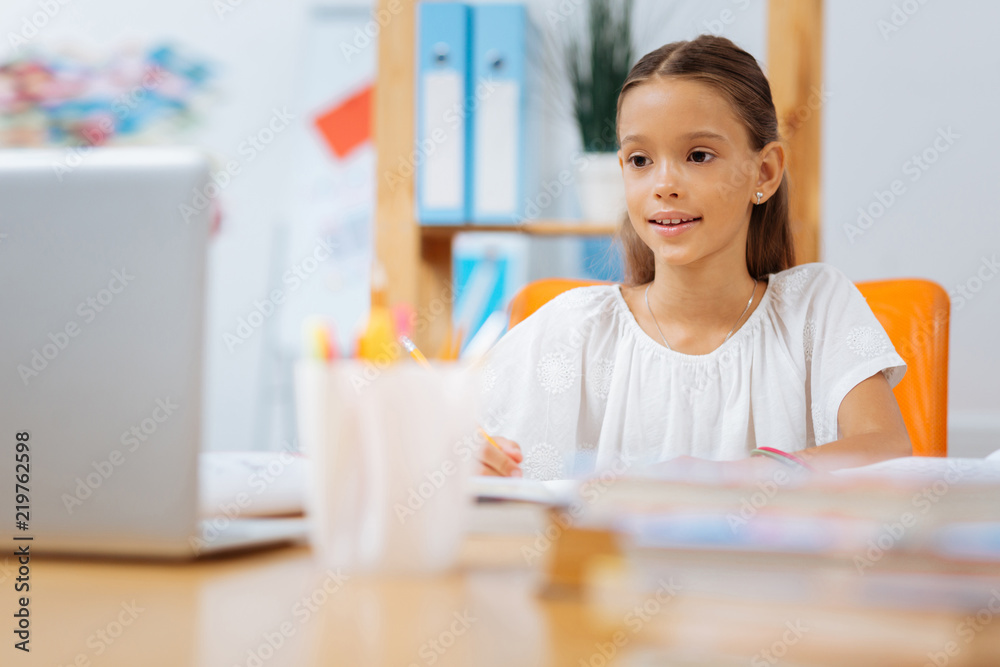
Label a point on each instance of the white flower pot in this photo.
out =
(601, 190)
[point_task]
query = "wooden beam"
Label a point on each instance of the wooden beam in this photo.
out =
(418, 268)
(397, 238)
(795, 71)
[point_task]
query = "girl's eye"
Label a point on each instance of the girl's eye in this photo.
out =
(700, 157)
(636, 157)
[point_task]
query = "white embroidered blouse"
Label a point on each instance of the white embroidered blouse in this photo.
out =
(579, 384)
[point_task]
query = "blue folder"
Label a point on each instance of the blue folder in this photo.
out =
(442, 151)
(497, 96)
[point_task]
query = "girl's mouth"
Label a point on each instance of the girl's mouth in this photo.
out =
(674, 223)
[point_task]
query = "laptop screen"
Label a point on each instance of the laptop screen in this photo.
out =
(102, 268)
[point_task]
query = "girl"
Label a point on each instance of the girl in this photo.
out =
(716, 344)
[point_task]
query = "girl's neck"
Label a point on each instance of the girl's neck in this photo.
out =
(705, 298)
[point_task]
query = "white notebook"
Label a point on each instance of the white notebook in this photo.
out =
(976, 471)
(251, 484)
(553, 492)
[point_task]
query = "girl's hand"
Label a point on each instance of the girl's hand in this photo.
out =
(500, 464)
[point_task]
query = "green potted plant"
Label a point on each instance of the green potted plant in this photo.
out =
(598, 61)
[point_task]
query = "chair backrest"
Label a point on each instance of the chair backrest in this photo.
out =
(534, 295)
(915, 315)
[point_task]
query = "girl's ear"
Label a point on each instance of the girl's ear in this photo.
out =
(621, 163)
(772, 168)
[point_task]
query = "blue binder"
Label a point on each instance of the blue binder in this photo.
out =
(442, 132)
(497, 95)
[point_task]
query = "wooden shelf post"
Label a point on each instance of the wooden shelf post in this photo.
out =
(419, 271)
(795, 70)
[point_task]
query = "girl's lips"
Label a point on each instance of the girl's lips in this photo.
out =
(672, 230)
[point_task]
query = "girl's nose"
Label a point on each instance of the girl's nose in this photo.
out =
(667, 181)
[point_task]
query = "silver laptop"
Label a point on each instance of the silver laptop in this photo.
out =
(102, 298)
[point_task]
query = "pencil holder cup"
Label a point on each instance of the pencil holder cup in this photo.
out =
(391, 453)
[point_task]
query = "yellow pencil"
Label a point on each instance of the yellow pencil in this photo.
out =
(419, 357)
(414, 351)
(490, 439)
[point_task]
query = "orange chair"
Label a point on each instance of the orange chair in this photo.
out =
(534, 295)
(915, 314)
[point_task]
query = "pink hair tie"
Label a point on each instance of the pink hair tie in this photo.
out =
(771, 451)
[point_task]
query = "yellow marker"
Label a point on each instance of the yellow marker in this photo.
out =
(377, 341)
(318, 340)
(419, 357)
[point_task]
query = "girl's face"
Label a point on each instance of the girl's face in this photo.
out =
(686, 156)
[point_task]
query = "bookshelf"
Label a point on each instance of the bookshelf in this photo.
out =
(417, 259)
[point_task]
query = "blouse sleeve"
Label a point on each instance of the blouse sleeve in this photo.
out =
(844, 344)
(532, 388)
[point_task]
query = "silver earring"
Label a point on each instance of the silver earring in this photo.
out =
(759, 195)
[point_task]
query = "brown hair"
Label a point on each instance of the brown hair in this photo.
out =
(735, 74)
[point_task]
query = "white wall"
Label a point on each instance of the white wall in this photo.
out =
(894, 93)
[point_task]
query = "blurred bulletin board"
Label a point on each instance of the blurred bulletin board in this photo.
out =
(330, 206)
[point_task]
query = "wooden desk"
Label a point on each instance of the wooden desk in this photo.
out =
(231, 611)
(279, 607)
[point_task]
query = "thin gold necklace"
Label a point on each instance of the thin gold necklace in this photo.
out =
(664, 338)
